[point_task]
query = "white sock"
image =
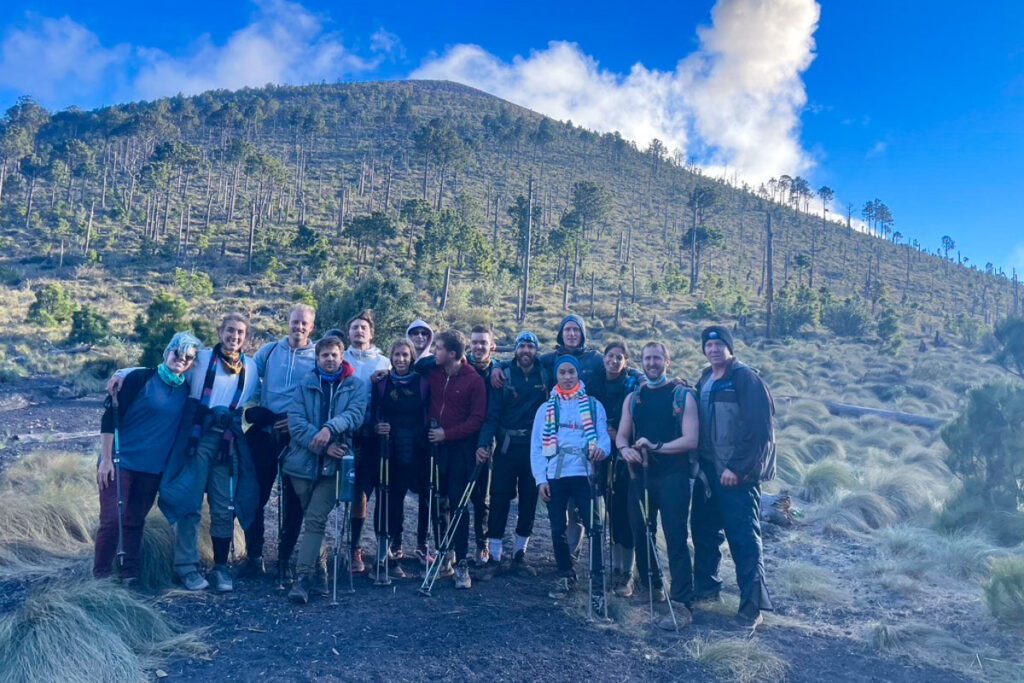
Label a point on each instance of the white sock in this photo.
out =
(494, 545)
(521, 543)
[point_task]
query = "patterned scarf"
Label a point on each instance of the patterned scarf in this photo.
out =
(233, 363)
(549, 437)
(207, 396)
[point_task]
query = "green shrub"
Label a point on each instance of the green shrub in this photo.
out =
(52, 306)
(1004, 591)
(985, 444)
(848, 318)
(164, 316)
(193, 285)
(705, 309)
(89, 326)
(888, 329)
(391, 299)
(795, 311)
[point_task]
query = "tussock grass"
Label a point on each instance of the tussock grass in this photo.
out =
(156, 565)
(810, 585)
(788, 465)
(1004, 591)
(48, 511)
(960, 555)
(738, 659)
(823, 479)
(89, 631)
(821, 446)
(907, 489)
(861, 512)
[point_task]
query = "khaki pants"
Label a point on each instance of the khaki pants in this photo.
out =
(318, 498)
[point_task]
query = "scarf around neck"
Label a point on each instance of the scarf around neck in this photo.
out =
(549, 437)
(233, 363)
(344, 372)
(169, 377)
(655, 383)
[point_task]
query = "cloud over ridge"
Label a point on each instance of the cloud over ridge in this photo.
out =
(733, 104)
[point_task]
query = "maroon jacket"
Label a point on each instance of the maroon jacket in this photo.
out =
(459, 402)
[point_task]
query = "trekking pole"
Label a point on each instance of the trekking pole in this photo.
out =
(383, 502)
(117, 484)
(596, 529)
(652, 549)
(449, 536)
(432, 503)
(280, 520)
(344, 479)
(233, 460)
(609, 496)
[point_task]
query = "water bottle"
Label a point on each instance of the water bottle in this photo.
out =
(348, 478)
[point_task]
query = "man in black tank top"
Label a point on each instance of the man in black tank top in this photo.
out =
(657, 434)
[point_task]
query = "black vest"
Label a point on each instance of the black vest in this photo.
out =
(654, 417)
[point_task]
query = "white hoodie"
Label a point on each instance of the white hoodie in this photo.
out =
(572, 442)
(419, 322)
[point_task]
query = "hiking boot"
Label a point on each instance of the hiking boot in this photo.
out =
(300, 590)
(707, 596)
(194, 581)
(252, 568)
(462, 579)
(287, 576)
(220, 579)
(423, 556)
(448, 566)
(683, 618)
(358, 566)
(520, 564)
(747, 622)
(658, 592)
(564, 586)
(491, 569)
(624, 585)
(396, 553)
(317, 584)
(481, 557)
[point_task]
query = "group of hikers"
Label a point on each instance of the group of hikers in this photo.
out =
(337, 422)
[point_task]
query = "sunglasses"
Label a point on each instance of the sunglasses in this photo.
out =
(419, 332)
(187, 357)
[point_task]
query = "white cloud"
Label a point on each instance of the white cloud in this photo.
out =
(877, 149)
(1016, 259)
(284, 43)
(56, 60)
(733, 104)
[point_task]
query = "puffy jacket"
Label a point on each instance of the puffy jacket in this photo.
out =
(280, 368)
(742, 437)
(591, 360)
(304, 421)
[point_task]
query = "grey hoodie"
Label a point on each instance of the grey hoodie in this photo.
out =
(280, 368)
(418, 322)
(365, 363)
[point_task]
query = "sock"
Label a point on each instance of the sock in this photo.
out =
(357, 531)
(221, 546)
(521, 543)
(494, 545)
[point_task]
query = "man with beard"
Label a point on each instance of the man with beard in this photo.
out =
(657, 434)
(481, 348)
(510, 414)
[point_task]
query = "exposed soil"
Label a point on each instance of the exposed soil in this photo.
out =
(505, 629)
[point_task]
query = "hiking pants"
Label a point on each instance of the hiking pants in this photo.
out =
(669, 499)
(729, 513)
(566, 493)
(317, 498)
(403, 477)
(218, 498)
(511, 476)
(459, 459)
(480, 502)
(138, 491)
(618, 505)
(266, 447)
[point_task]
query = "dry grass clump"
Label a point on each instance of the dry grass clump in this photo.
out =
(961, 555)
(48, 511)
(1004, 591)
(821, 446)
(88, 631)
(156, 563)
(744, 660)
(823, 479)
(810, 585)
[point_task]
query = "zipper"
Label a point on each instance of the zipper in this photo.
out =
(444, 397)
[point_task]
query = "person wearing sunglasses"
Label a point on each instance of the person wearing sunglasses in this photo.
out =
(149, 409)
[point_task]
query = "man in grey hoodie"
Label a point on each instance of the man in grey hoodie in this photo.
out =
(280, 365)
(421, 335)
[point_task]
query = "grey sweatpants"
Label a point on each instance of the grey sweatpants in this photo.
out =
(318, 498)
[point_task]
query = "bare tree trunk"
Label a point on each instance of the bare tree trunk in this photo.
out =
(632, 298)
(28, 202)
(565, 294)
(252, 233)
(770, 298)
(618, 307)
(447, 284)
(88, 228)
(593, 279)
(526, 251)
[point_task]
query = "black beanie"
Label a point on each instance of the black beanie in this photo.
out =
(716, 332)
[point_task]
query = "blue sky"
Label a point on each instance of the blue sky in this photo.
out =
(919, 104)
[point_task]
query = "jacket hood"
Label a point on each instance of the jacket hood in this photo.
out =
(571, 318)
(371, 353)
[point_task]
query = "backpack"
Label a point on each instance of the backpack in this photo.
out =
(677, 384)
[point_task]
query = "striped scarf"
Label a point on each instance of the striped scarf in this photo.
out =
(549, 437)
